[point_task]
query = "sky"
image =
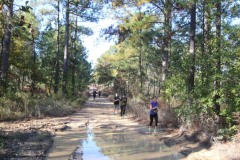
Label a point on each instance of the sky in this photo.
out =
(96, 45)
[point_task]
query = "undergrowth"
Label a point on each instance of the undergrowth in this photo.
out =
(22, 105)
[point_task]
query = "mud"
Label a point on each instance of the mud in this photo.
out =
(29, 139)
(98, 134)
(113, 138)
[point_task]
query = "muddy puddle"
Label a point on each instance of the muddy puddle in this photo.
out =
(102, 143)
(104, 136)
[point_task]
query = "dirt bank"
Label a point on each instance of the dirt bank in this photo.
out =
(29, 139)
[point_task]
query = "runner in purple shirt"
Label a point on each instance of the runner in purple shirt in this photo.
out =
(153, 113)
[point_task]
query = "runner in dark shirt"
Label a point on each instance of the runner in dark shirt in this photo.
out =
(123, 105)
(116, 104)
(94, 94)
(99, 93)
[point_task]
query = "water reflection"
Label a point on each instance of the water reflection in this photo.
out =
(106, 144)
(88, 149)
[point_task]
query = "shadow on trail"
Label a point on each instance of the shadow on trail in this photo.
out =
(182, 140)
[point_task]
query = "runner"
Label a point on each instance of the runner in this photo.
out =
(153, 113)
(94, 94)
(116, 104)
(123, 106)
(99, 93)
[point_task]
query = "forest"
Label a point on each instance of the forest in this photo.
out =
(184, 51)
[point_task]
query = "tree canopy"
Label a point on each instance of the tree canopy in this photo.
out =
(185, 51)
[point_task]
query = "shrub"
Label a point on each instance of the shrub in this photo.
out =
(22, 105)
(227, 133)
(138, 107)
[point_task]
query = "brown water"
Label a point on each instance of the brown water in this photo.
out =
(107, 137)
(105, 144)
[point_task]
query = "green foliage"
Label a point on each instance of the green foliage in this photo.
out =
(135, 64)
(227, 133)
(141, 45)
(25, 8)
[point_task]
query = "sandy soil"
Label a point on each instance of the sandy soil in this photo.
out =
(32, 139)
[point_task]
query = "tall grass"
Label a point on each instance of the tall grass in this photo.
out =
(23, 105)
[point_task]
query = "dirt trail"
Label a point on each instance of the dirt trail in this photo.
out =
(95, 133)
(114, 138)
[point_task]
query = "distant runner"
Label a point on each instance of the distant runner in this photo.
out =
(116, 104)
(94, 94)
(123, 105)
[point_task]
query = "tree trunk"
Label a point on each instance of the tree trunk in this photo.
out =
(23, 79)
(218, 65)
(167, 38)
(148, 88)
(74, 55)
(154, 87)
(73, 79)
(6, 44)
(57, 52)
(1, 51)
(192, 49)
(33, 75)
(205, 44)
(140, 69)
(51, 83)
(19, 82)
(66, 45)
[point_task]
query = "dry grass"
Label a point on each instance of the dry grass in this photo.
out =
(229, 150)
(138, 107)
(24, 105)
(218, 151)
